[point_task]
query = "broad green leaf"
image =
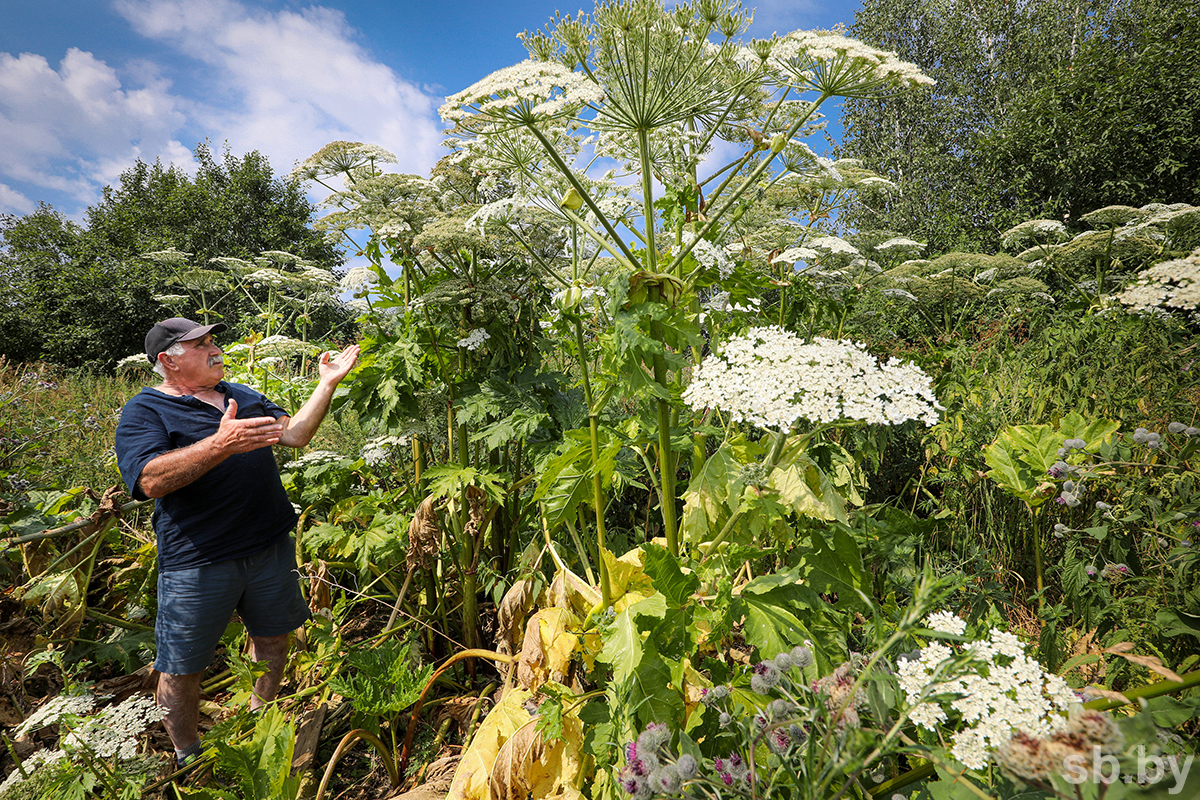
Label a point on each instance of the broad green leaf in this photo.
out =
(651, 694)
(1013, 473)
(770, 624)
(835, 566)
(622, 646)
(1095, 431)
(707, 499)
(808, 491)
(1172, 623)
(665, 573)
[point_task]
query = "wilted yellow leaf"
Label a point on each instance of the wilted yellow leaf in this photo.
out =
(526, 766)
(472, 776)
(571, 591)
(557, 642)
(548, 647)
(508, 759)
(626, 574)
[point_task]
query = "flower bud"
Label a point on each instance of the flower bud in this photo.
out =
(569, 299)
(778, 142)
(572, 200)
(686, 766)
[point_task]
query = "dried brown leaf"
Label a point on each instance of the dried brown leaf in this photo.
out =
(517, 602)
(1154, 664)
(424, 536)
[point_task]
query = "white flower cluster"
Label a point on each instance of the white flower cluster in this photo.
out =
(341, 157)
(530, 89)
(946, 622)
(771, 378)
(358, 279)
(36, 760)
(833, 244)
(134, 361)
(900, 243)
(54, 710)
(313, 458)
(501, 211)
(113, 733)
(1033, 232)
(708, 255)
(1173, 284)
(1001, 691)
(794, 254)
(799, 54)
(376, 451)
(877, 182)
(269, 277)
(171, 256)
(278, 345)
(316, 278)
(475, 339)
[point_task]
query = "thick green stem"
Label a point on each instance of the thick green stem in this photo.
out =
(666, 458)
(647, 201)
(1037, 558)
(597, 489)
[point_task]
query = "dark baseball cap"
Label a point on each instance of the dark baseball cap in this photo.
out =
(173, 330)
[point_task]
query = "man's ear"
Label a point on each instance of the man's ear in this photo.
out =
(163, 359)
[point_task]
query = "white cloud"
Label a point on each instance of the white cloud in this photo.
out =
(13, 202)
(67, 130)
(284, 83)
(291, 81)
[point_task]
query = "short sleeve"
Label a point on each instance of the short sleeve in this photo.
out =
(273, 410)
(141, 437)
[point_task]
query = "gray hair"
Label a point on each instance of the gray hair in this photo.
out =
(174, 350)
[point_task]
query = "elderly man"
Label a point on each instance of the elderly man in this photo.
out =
(202, 448)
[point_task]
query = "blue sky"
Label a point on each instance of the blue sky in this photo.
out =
(89, 86)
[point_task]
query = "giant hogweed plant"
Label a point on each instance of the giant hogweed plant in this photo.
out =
(639, 76)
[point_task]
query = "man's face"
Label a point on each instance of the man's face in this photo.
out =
(201, 363)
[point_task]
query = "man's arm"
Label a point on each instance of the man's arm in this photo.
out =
(299, 429)
(177, 468)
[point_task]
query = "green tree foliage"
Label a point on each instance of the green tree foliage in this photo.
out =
(82, 295)
(992, 60)
(1118, 124)
(235, 206)
(68, 301)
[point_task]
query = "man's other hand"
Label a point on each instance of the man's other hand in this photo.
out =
(243, 435)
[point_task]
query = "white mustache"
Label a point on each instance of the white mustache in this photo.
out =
(215, 360)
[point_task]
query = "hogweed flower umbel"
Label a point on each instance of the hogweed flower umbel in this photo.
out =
(771, 378)
(523, 93)
(990, 685)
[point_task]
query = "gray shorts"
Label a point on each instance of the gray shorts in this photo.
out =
(195, 605)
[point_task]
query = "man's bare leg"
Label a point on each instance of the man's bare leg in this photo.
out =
(180, 696)
(273, 650)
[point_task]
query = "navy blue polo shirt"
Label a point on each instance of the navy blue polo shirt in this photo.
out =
(236, 509)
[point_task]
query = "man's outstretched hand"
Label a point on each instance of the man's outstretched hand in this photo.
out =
(243, 435)
(335, 367)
